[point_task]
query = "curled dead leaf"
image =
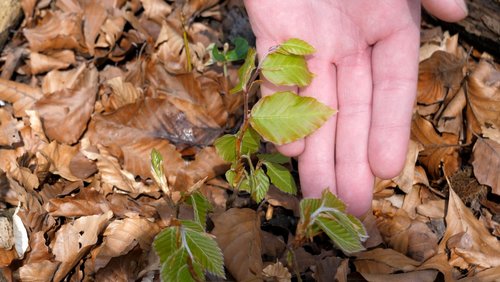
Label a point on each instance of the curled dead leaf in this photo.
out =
(486, 163)
(20, 95)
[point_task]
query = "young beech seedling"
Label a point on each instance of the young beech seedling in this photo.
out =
(281, 118)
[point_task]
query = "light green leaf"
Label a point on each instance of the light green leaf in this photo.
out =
(285, 117)
(226, 147)
(276, 158)
(240, 50)
(359, 227)
(296, 46)
(260, 185)
(158, 170)
(230, 175)
(205, 251)
(281, 177)
(165, 242)
(245, 185)
(245, 71)
(282, 69)
(329, 200)
(176, 268)
(341, 237)
(201, 206)
(307, 207)
(192, 225)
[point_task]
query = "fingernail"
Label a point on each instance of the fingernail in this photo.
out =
(463, 6)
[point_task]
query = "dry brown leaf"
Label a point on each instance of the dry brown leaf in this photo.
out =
(383, 261)
(156, 10)
(56, 80)
(59, 156)
(237, 232)
(490, 274)
(451, 119)
(405, 179)
(21, 95)
(276, 273)
(483, 250)
(87, 202)
(171, 51)
(40, 63)
(74, 240)
(9, 133)
(483, 94)
(421, 276)
(439, 77)
(57, 30)
(122, 93)
(326, 268)
(486, 163)
(38, 250)
(120, 237)
(37, 271)
(125, 268)
(111, 31)
(112, 174)
(69, 108)
(438, 150)
(94, 16)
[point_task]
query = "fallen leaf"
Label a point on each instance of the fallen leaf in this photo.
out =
(277, 272)
(237, 233)
(94, 17)
(9, 133)
(483, 94)
(74, 240)
(422, 276)
(22, 96)
(59, 157)
(438, 150)
(87, 202)
(37, 271)
(439, 77)
(486, 163)
(120, 237)
(386, 258)
(156, 10)
(41, 63)
(405, 179)
(122, 93)
(69, 107)
(483, 250)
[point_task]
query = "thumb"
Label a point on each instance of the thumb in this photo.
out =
(446, 10)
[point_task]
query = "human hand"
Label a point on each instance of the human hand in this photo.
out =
(366, 66)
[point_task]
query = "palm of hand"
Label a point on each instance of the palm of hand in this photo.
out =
(366, 67)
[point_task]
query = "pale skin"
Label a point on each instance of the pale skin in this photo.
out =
(366, 66)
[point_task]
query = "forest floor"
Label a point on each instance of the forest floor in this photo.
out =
(89, 88)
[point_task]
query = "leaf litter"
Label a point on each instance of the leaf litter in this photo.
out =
(89, 88)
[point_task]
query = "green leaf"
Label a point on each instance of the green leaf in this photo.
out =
(245, 71)
(226, 145)
(359, 227)
(218, 55)
(158, 170)
(281, 177)
(276, 158)
(176, 268)
(290, 70)
(296, 46)
(205, 251)
(260, 185)
(201, 206)
(165, 242)
(230, 174)
(341, 236)
(240, 50)
(308, 206)
(285, 117)
(331, 201)
(192, 225)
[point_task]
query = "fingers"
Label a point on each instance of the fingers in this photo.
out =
(295, 148)
(395, 71)
(446, 10)
(316, 163)
(354, 176)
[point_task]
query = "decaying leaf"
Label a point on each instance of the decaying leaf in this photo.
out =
(21, 95)
(237, 232)
(486, 162)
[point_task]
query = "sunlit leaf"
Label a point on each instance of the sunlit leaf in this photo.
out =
(240, 50)
(282, 69)
(308, 206)
(166, 243)
(276, 158)
(201, 206)
(260, 185)
(205, 251)
(157, 170)
(342, 237)
(192, 225)
(281, 177)
(296, 46)
(245, 71)
(285, 117)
